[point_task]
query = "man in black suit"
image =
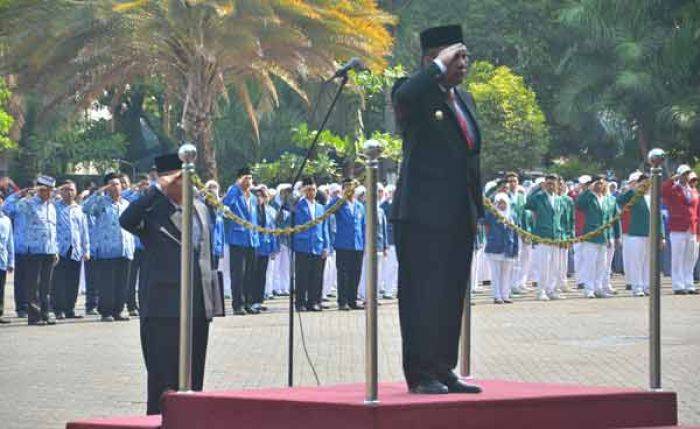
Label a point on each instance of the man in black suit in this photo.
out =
(435, 210)
(156, 218)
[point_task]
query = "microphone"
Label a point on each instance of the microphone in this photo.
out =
(353, 64)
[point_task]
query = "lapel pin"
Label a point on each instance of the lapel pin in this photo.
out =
(439, 115)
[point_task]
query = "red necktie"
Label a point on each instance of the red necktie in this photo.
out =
(461, 120)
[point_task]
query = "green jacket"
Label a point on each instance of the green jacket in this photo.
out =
(638, 215)
(598, 213)
(567, 217)
(546, 216)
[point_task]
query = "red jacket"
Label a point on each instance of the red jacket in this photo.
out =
(683, 211)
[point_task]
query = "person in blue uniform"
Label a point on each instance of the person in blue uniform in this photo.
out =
(35, 215)
(435, 210)
(156, 218)
(115, 247)
(268, 247)
(73, 249)
(7, 256)
(242, 242)
(349, 245)
(311, 248)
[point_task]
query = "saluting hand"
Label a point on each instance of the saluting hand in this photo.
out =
(171, 186)
(447, 55)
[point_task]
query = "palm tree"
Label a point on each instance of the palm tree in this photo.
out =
(75, 51)
(636, 60)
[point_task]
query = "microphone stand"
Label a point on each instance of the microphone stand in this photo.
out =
(292, 214)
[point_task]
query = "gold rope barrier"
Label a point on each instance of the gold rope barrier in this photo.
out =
(569, 241)
(214, 201)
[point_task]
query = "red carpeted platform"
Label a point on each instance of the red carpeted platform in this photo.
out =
(502, 405)
(141, 422)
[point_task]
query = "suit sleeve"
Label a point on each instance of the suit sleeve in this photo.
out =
(408, 93)
(133, 219)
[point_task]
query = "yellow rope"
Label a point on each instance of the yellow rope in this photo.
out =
(526, 235)
(214, 202)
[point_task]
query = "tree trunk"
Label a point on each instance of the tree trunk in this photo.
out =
(197, 117)
(643, 141)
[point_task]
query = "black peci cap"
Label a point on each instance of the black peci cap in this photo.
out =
(168, 162)
(440, 36)
(111, 176)
(244, 171)
(308, 181)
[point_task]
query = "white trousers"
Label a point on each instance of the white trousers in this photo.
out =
(281, 277)
(362, 289)
(627, 255)
(609, 255)
(577, 263)
(521, 270)
(270, 274)
(330, 274)
(562, 267)
(501, 272)
(390, 274)
(684, 253)
(593, 269)
(636, 258)
(477, 270)
(545, 263)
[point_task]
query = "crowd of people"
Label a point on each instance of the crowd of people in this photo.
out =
(56, 239)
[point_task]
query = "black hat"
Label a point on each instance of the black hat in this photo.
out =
(598, 177)
(110, 176)
(168, 162)
(244, 171)
(440, 36)
(308, 181)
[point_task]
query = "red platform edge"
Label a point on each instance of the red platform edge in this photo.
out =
(503, 404)
(139, 422)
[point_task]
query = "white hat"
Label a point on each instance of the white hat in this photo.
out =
(692, 175)
(501, 197)
(585, 179)
(682, 169)
(634, 176)
(360, 190)
(284, 186)
(46, 181)
(489, 185)
(539, 180)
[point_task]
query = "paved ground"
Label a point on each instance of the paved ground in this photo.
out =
(87, 368)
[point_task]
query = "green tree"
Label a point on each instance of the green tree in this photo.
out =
(6, 120)
(513, 128)
(199, 49)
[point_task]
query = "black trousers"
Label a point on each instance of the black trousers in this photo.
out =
(19, 281)
(160, 346)
(92, 291)
(3, 278)
(242, 270)
(37, 274)
(434, 270)
(66, 282)
(260, 276)
(349, 265)
(112, 276)
(308, 279)
(134, 270)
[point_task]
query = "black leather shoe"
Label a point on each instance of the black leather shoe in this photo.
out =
(60, 316)
(314, 308)
(73, 316)
(344, 307)
(458, 386)
(133, 313)
(4, 321)
(691, 292)
(120, 318)
(107, 319)
(21, 314)
(91, 312)
(679, 292)
(429, 387)
(36, 323)
(239, 312)
(357, 306)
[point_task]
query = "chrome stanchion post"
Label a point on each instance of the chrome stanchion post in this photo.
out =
(373, 150)
(187, 154)
(656, 158)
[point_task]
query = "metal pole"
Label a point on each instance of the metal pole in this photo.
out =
(656, 158)
(187, 154)
(465, 362)
(372, 149)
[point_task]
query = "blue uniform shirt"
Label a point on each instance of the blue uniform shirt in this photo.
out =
(7, 248)
(315, 240)
(111, 241)
(245, 208)
(34, 225)
(72, 231)
(131, 195)
(268, 243)
(349, 226)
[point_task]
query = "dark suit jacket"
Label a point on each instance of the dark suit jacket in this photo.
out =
(440, 180)
(149, 218)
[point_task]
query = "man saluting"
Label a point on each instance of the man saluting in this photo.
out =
(436, 207)
(156, 218)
